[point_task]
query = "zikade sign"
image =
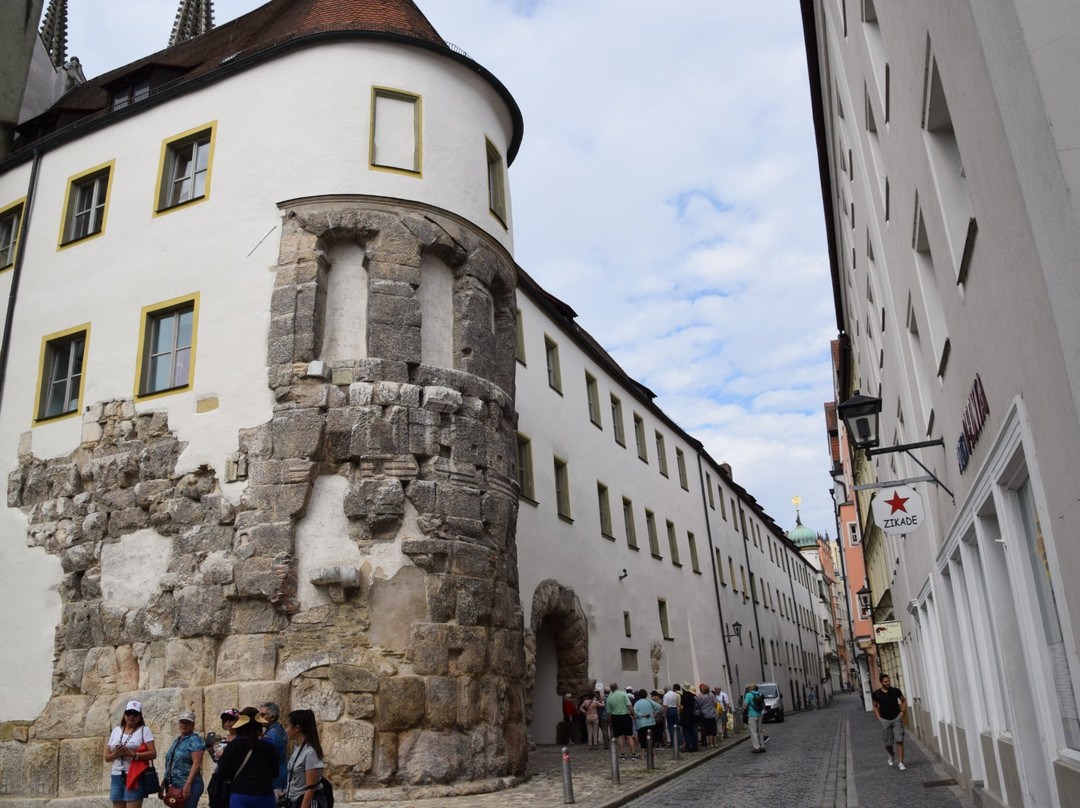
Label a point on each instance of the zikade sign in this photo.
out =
(898, 509)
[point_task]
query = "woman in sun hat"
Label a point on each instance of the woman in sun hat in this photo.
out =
(129, 742)
(250, 764)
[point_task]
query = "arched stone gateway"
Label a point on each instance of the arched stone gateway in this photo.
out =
(557, 655)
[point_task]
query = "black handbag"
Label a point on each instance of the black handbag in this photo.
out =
(149, 783)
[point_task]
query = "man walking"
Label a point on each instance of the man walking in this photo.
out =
(755, 708)
(622, 725)
(889, 707)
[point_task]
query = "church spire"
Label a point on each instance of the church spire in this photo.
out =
(194, 17)
(54, 32)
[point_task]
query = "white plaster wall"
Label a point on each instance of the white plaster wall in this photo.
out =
(307, 137)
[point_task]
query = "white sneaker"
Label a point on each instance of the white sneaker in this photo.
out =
(890, 760)
(903, 767)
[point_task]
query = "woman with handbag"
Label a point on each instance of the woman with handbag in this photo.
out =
(183, 766)
(306, 764)
(249, 764)
(130, 742)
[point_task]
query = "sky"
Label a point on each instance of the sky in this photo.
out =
(666, 189)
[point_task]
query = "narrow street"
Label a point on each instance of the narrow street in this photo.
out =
(820, 759)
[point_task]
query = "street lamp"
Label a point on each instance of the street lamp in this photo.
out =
(864, 599)
(736, 631)
(860, 415)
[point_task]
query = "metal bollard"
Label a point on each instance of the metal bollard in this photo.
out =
(649, 763)
(614, 763)
(675, 742)
(567, 780)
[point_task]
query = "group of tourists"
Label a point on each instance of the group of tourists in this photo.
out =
(681, 714)
(252, 769)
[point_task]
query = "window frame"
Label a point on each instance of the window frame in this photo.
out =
(75, 184)
(603, 502)
(496, 182)
(665, 618)
(661, 452)
(551, 359)
(639, 436)
(168, 162)
(617, 420)
(525, 469)
(680, 465)
(418, 130)
(519, 340)
(49, 344)
(673, 542)
(14, 212)
(592, 394)
(150, 315)
(629, 524)
(654, 537)
(562, 489)
(691, 542)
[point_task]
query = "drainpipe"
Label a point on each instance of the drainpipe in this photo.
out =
(798, 627)
(712, 556)
(16, 271)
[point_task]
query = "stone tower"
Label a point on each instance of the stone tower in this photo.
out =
(352, 549)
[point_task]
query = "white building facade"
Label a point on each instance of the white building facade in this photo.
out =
(947, 140)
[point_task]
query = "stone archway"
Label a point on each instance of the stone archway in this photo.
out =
(557, 626)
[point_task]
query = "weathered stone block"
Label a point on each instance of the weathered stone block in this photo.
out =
(369, 497)
(441, 399)
(245, 657)
(297, 433)
(386, 756)
(396, 604)
(256, 617)
(474, 596)
(441, 697)
(108, 670)
(319, 696)
(80, 769)
(399, 704)
(349, 743)
(189, 662)
(430, 757)
(216, 700)
(360, 705)
(252, 694)
(353, 679)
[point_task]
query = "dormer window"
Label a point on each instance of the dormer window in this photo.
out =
(137, 90)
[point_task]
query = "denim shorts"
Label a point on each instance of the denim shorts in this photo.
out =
(118, 791)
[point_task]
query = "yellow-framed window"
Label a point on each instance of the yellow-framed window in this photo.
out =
(10, 221)
(60, 371)
(86, 204)
(496, 177)
(167, 340)
(396, 141)
(184, 168)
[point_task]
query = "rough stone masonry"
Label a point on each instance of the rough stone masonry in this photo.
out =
(415, 678)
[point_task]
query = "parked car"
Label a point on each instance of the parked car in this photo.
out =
(774, 701)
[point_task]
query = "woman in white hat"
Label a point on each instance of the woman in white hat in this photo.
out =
(131, 741)
(183, 761)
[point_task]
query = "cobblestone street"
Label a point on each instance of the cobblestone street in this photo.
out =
(831, 758)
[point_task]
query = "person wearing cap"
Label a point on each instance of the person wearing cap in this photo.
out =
(228, 721)
(129, 742)
(250, 764)
(183, 761)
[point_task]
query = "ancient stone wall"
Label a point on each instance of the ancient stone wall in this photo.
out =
(415, 669)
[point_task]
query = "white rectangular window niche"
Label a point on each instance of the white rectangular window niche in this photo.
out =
(345, 325)
(395, 130)
(436, 294)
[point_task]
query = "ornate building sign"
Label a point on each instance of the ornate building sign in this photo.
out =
(974, 418)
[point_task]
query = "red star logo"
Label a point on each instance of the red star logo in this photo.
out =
(897, 503)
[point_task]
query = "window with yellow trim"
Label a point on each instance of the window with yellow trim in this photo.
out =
(10, 218)
(496, 182)
(184, 175)
(63, 356)
(395, 130)
(87, 203)
(168, 347)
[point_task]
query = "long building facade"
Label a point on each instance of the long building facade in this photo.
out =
(283, 420)
(947, 141)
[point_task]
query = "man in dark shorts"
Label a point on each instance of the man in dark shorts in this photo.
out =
(889, 707)
(622, 725)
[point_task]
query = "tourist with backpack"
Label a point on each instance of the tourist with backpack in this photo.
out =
(307, 788)
(755, 709)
